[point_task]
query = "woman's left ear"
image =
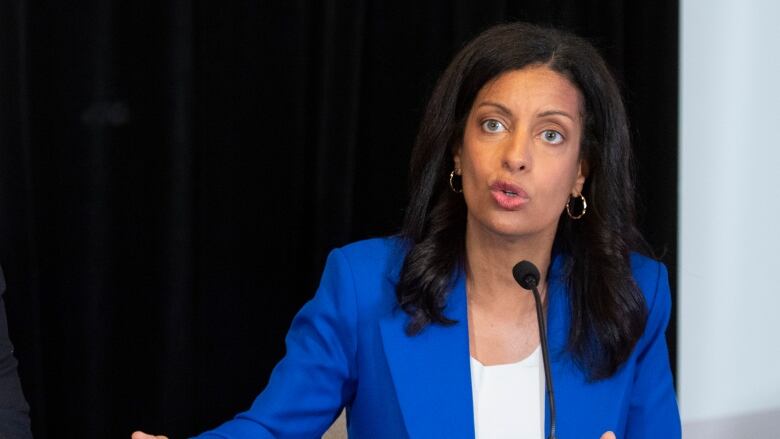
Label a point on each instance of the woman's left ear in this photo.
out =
(456, 159)
(582, 174)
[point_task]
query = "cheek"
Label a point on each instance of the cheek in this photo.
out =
(559, 184)
(474, 166)
(476, 172)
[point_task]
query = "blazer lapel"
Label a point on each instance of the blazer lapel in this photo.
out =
(557, 320)
(431, 371)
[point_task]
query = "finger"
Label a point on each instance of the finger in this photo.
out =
(142, 435)
(607, 435)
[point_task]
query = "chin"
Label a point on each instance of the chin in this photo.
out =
(511, 229)
(511, 225)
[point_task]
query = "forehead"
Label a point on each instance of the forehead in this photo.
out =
(532, 88)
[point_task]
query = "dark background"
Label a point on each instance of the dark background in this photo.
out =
(173, 173)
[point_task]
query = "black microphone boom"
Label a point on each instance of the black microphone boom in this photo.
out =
(527, 275)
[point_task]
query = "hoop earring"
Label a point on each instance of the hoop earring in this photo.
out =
(452, 186)
(584, 207)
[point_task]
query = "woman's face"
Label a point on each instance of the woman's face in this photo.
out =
(520, 156)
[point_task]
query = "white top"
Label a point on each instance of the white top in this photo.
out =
(509, 398)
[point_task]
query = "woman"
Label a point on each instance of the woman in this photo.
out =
(523, 154)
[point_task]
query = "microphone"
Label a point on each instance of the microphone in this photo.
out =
(527, 275)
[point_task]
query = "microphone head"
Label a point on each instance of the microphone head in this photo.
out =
(526, 274)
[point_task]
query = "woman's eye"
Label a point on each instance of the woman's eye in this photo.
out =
(493, 126)
(552, 136)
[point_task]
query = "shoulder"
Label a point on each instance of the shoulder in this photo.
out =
(367, 273)
(652, 279)
(372, 257)
(650, 276)
(645, 268)
(383, 248)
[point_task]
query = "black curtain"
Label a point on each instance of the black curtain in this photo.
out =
(173, 173)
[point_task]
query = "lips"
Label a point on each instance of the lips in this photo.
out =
(508, 195)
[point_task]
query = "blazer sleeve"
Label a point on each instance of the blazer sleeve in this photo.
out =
(653, 411)
(316, 378)
(14, 412)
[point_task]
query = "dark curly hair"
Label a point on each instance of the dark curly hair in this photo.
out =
(608, 312)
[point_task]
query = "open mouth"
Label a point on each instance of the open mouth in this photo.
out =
(508, 195)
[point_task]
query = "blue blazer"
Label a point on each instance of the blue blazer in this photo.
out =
(347, 348)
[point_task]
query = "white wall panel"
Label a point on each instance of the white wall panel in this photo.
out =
(729, 261)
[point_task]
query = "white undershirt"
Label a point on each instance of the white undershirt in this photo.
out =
(509, 398)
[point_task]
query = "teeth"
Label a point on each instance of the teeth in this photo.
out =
(510, 193)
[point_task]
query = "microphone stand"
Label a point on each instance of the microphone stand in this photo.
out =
(545, 357)
(527, 275)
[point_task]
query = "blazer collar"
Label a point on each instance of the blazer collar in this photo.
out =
(431, 371)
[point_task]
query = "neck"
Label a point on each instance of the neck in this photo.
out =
(489, 261)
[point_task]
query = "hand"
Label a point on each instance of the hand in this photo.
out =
(607, 435)
(142, 435)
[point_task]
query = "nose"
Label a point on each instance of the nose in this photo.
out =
(516, 153)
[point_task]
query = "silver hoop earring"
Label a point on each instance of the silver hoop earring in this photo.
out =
(584, 207)
(453, 174)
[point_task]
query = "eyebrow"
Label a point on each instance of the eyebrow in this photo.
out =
(555, 112)
(497, 105)
(506, 110)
